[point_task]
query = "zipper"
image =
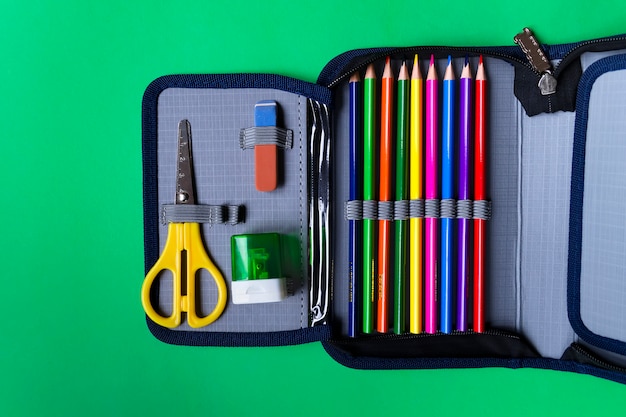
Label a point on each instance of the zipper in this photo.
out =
(599, 362)
(619, 41)
(536, 57)
(538, 60)
(427, 49)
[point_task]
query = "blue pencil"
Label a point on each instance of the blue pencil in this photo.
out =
(447, 192)
(354, 232)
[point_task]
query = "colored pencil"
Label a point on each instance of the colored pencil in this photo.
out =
(400, 264)
(369, 193)
(480, 136)
(432, 185)
(465, 106)
(384, 194)
(447, 193)
(354, 232)
(415, 193)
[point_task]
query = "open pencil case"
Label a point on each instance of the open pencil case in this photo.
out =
(555, 286)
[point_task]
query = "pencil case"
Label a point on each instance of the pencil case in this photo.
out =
(556, 234)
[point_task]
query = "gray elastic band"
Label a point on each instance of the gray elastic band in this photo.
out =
(464, 209)
(385, 210)
(265, 135)
(431, 208)
(416, 208)
(482, 209)
(448, 208)
(401, 210)
(354, 210)
(201, 213)
(370, 209)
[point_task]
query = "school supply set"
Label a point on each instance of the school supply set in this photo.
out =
(493, 184)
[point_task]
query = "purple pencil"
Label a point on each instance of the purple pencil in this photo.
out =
(465, 108)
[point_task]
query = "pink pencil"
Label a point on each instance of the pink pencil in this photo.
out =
(432, 185)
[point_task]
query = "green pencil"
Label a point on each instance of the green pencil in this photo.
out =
(400, 264)
(369, 193)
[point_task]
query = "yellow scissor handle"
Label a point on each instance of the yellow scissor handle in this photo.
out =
(187, 237)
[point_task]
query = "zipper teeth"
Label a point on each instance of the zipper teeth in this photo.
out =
(525, 63)
(600, 362)
(412, 336)
(581, 45)
(380, 55)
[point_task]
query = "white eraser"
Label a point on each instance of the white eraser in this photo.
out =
(259, 291)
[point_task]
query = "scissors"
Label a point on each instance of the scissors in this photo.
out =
(184, 254)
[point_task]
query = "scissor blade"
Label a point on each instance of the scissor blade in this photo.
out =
(184, 177)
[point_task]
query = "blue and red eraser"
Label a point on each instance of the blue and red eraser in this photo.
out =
(265, 155)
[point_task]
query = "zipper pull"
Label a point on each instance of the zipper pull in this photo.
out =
(538, 60)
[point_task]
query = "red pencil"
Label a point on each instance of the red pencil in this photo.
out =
(384, 226)
(479, 194)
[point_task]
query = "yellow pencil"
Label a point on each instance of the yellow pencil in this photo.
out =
(416, 191)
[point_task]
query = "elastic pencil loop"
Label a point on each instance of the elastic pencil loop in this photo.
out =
(385, 210)
(370, 209)
(448, 208)
(235, 214)
(432, 208)
(354, 210)
(465, 209)
(482, 209)
(401, 210)
(416, 208)
(265, 135)
(197, 213)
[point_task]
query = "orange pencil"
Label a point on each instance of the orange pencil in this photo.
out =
(385, 194)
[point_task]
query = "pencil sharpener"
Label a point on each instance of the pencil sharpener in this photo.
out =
(257, 269)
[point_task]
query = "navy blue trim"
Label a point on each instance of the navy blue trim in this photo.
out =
(150, 197)
(600, 67)
(239, 339)
(365, 362)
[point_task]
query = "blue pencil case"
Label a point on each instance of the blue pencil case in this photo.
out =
(556, 236)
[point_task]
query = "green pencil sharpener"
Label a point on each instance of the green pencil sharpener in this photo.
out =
(256, 268)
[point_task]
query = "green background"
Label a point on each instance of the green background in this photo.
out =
(73, 338)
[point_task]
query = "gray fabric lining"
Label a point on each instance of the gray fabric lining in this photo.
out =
(603, 262)
(224, 175)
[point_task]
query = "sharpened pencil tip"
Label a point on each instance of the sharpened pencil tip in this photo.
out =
(481, 60)
(387, 69)
(466, 60)
(404, 72)
(355, 78)
(449, 74)
(432, 59)
(416, 74)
